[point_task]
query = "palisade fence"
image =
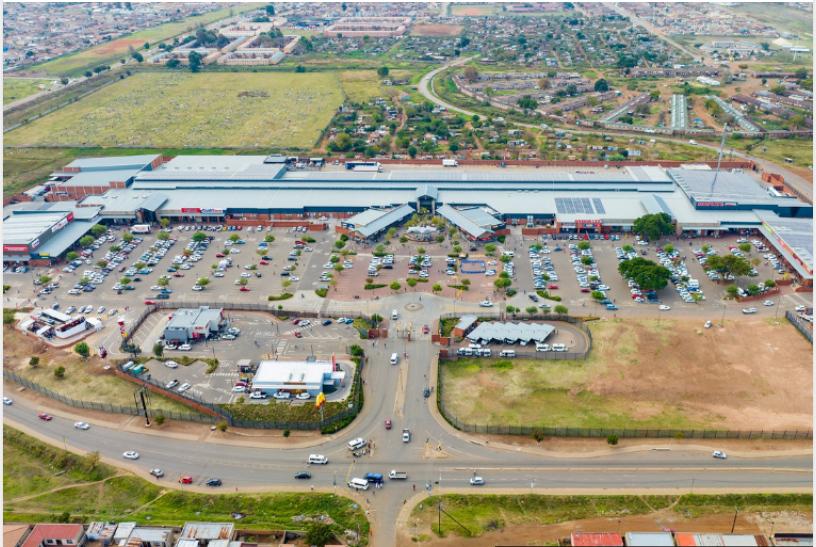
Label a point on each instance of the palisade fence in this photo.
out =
(542, 355)
(494, 429)
(800, 325)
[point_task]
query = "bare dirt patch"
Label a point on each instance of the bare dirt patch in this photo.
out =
(118, 46)
(434, 31)
(747, 376)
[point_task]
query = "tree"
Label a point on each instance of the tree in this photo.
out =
(138, 56)
(222, 425)
(82, 349)
(159, 420)
(511, 309)
(382, 72)
(421, 251)
(437, 287)
(654, 95)
(243, 281)
(601, 86)
(587, 260)
(163, 236)
(744, 247)
(158, 349)
(505, 259)
(583, 245)
(647, 274)
(753, 289)
(653, 226)
(203, 282)
(597, 295)
(97, 230)
(797, 121)
(412, 151)
(770, 283)
(84, 280)
(270, 9)
(162, 282)
(466, 282)
(172, 63)
(543, 84)
(490, 248)
(198, 237)
(8, 317)
(115, 249)
(125, 281)
(561, 310)
(729, 264)
(779, 89)
(538, 435)
(338, 268)
(339, 243)
(395, 286)
(101, 263)
(502, 282)
(194, 60)
(471, 74)
(669, 248)
(44, 279)
(165, 222)
(531, 310)
(33, 362)
(234, 237)
(318, 533)
(71, 256)
(269, 238)
(88, 73)
(612, 440)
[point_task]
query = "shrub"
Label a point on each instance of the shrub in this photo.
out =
(321, 292)
(59, 372)
(284, 296)
(222, 426)
(538, 435)
(159, 420)
(371, 287)
(287, 432)
(612, 440)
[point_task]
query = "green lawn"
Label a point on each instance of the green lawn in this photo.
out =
(482, 513)
(778, 13)
(76, 64)
(181, 109)
(798, 149)
(14, 89)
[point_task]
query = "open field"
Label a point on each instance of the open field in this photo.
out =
(189, 110)
(145, 502)
(800, 150)
(778, 14)
(83, 380)
(542, 520)
(14, 89)
(472, 10)
(641, 375)
(436, 31)
(688, 40)
(111, 53)
(364, 85)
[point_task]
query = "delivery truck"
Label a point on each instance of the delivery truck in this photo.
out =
(398, 475)
(450, 163)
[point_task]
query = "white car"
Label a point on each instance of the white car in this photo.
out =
(486, 304)
(768, 303)
(284, 395)
(155, 288)
(198, 288)
(664, 308)
(800, 308)
(171, 364)
(185, 347)
(218, 274)
(294, 278)
(720, 455)
(239, 389)
(82, 425)
(6, 401)
(302, 396)
(747, 311)
(130, 455)
(707, 324)
(304, 323)
(183, 388)
(477, 481)
(246, 275)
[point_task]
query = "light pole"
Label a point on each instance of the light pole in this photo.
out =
(778, 301)
(733, 524)
(722, 321)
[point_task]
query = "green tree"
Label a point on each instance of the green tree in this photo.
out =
(412, 151)
(204, 281)
(531, 310)
(234, 237)
(194, 60)
(538, 435)
(163, 236)
(198, 237)
(86, 241)
(668, 248)
(269, 238)
(138, 56)
(395, 286)
(71, 256)
(583, 245)
(512, 309)
(382, 72)
(466, 282)
(243, 281)
(421, 251)
(338, 268)
(628, 248)
(597, 295)
(587, 260)
(34, 362)
(744, 247)
(97, 230)
(653, 226)
(8, 317)
(646, 273)
(601, 86)
(770, 283)
(437, 287)
(612, 440)
(343, 142)
(125, 281)
(706, 248)
(164, 222)
(59, 372)
(162, 282)
(318, 533)
(561, 310)
(505, 259)
(732, 290)
(490, 248)
(44, 279)
(339, 244)
(729, 264)
(270, 10)
(753, 289)
(222, 426)
(158, 349)
(412, 282)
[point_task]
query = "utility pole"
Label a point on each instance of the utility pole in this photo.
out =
(733, 524)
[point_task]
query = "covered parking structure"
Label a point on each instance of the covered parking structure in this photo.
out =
(510, 333)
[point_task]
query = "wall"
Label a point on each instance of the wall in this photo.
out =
(169, 394)
(765, 296)
(744, 164)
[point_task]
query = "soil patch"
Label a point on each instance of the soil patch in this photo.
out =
(437, 30)
(118, 45)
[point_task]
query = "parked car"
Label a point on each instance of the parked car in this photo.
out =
(158, 473)
(214, 482)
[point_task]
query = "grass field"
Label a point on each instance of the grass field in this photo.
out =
(82, 381)
(14, 89)
(364, 85)
(110, 53)
(30, 467)
(800, 150)
(473, 10)
(641, 375)
(437, 31)
(484, 513)
(189, 110)
(777, 13)
(688, 40)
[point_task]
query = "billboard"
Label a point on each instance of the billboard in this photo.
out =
(213, 211)
(62, 223)
(716, 204)
(15, 249)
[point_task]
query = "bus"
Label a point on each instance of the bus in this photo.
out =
(372, 166)
(141, 229)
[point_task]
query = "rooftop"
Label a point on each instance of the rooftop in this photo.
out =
(23, 228)
(121, 162)
(100, 178)
(42, 532)
(207, 530)
(283, 374)
(511, 331)
(372, 221)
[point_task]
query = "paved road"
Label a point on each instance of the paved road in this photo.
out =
(396, 392)
(801, 184)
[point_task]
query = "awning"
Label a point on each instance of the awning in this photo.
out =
(789, 257)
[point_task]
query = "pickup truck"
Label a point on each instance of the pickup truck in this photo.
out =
(398, 475)
(406, 435)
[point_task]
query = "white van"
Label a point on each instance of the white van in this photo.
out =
(356, 443)
(318, 458)
(359, 484)
(507, 353)
(394, 314)
(559, 347)
(394, 358)
(542, 347)
(509, 253)
(465, 351)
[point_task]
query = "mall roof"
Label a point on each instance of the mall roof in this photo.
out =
(372, 221)
(100, 178)
(64, 238)
(463, 222)
(511, 331)
(23, 228)
(796, 234)
(120, 162)
(726, 186)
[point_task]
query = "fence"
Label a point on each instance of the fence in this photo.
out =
(494, 429)
(800, 325)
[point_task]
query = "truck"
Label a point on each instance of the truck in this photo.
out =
(450, 163)
(140, 229)
(406, 435)
(398, 475)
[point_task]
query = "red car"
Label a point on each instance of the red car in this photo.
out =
(186, 479)
(584, 289)
(149, 302)
(297, 334)
(552, 287)
(636, 295)
(388, 424)
(295, 321)
(220, 255)
(425, 329)
(244, 289)
(264, 262)
(44, 416)
(177, 274)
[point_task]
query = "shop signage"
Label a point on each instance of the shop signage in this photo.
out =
(212, 211)
(35, 244)
(568, 226)
(588, 223)
(15, 249)
(716, 204)
(190, 210)
(62, 223)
